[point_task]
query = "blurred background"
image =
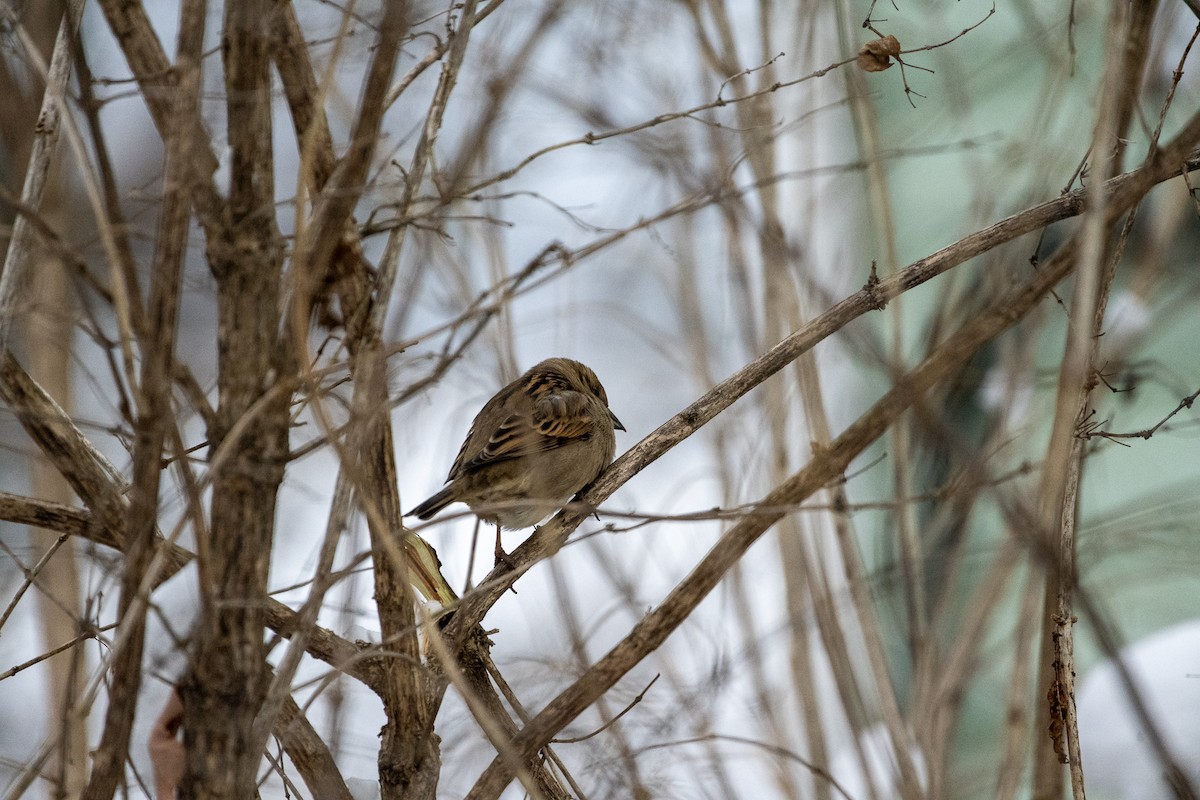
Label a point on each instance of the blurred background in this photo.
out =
(666, 253)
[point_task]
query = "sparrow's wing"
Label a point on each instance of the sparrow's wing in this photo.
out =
(554, 420)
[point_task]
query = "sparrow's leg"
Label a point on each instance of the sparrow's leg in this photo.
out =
(501, 556)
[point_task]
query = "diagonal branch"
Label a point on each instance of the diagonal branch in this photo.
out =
(1121, 192)
(826, 466)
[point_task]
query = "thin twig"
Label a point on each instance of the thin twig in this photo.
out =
(31, 574)
(639, 697)
(1145, 433)
(815, 768)
(83, 637)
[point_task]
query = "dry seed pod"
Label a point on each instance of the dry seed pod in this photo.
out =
(875, 55)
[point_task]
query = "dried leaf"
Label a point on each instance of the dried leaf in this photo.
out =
(875, 55)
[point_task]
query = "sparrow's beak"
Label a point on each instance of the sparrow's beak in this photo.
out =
(616, 422)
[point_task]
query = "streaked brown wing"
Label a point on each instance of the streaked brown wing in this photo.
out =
(555, 420)
(504, 405)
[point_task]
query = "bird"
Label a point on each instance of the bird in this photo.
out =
(531, 448)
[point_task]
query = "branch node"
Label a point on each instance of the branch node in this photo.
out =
(872, 288)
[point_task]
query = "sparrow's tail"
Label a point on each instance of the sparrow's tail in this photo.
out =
(433, 505)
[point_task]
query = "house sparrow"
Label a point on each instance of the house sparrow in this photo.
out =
(531, 448)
